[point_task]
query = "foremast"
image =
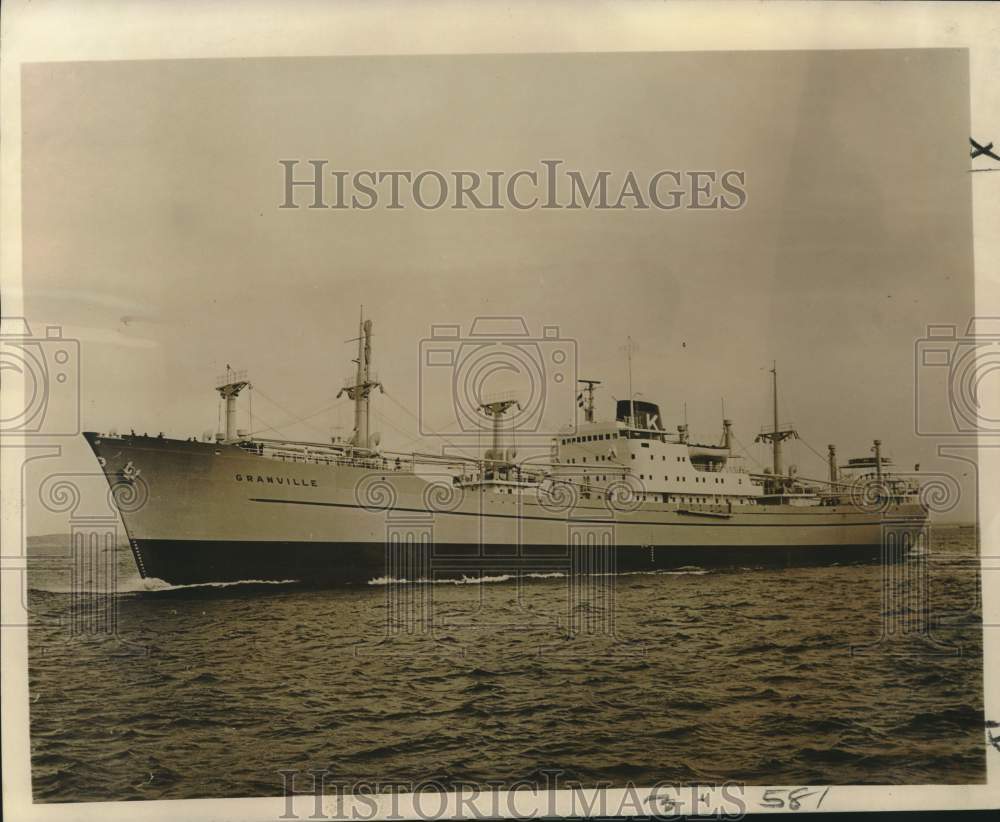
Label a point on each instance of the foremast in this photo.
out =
(229, 387)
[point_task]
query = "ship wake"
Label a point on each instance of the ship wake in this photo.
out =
(152, 585)
(486, 580)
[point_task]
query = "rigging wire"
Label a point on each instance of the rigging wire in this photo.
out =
(432, 430)
(302, 420)
(817, 453)
(267, 427)
(383, 418)
(746, 451)
(805, 442)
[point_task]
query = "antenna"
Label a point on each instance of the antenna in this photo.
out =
(630, 348)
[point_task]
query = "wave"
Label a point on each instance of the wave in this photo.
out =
(467, 580)
(464, 580)
(159, 585)
(153, 585)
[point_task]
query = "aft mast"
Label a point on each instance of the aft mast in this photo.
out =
(776, 435)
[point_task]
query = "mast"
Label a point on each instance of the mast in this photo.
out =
(832, 460)
(586, 398)
(776, 435)
(496, 410)
(229, 386)
(774, 376)
(363, 385)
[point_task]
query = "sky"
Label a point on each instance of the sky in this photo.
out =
(152, 233)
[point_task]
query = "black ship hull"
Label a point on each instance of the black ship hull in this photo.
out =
(185, 562)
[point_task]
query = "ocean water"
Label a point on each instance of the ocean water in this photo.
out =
(834, 675)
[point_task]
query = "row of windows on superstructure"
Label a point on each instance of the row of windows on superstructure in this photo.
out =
(663, 458)
(652, 497)
(693, 498)
(719, 480)
(656, 496)
(603, 458)
(592, 438)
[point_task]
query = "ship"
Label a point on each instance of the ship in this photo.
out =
(609, 496)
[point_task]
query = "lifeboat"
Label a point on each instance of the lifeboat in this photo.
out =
(701, 454)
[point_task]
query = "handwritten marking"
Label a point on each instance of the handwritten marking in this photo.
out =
(791, 798)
